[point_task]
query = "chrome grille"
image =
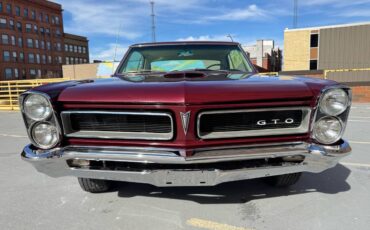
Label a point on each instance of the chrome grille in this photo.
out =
(253, 122)
(118, 125)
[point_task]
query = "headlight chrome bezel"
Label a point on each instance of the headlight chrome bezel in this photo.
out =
(30, 116)
(342, 117)
(326, 110)
(43, 146)
(339, 136)
(30, 122)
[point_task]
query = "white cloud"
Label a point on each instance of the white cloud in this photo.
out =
(250, 12)
(108, 53)
(99, 17)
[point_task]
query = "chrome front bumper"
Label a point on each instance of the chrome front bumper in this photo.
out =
(317, 158)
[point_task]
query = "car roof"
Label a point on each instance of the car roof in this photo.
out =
(184, 43)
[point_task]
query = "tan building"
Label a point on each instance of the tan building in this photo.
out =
(329, 48)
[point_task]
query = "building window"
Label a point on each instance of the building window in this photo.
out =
(5, 39)
(14, 56)
(57, 20)
(79, 49)
(12, 39)
(16, 73)
(43, 58)
(2, 23)
(313, 64)
(20, 42)
(11, 24)
(42, 45)
(1, 7)
(48, 46)
(71, 60)
(41, 17)
(36, 43)
(70, 48)
(24, 76)
(50, 61)
(59, 47)
(42, 30)
(25, 12)
(28, 28)
(47, 18)
(9, 8)
(47, 31)
(6, 56)
(35, 28)
(29, 43)
(67, 60)
(21, 57)
(33, 14)
(38, 58)
(314, 40)
(84, 50)
(32, 73)
(19, 26)
(17, 11)
(8, 73)
(39, 73)
(60, 60)
(65, 47)
(31, 58)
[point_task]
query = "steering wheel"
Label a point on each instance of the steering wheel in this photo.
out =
(213, 65)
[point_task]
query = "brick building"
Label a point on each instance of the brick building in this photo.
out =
(32, 39)
(264, 55)
(76, 49)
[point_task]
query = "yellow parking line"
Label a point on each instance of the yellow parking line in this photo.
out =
(207, 224)
(355, 164)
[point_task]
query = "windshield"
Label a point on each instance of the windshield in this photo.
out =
(185, 57)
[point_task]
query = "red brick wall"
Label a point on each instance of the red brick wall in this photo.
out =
(361, 93)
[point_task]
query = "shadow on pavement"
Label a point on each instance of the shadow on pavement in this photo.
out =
(331, 181)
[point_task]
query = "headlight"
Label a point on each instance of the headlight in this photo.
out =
(45, 135)
(328, 130)
(334, 102)
(37, 107)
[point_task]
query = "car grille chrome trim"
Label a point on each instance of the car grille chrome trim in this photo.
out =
(116, 132)
(301, 129)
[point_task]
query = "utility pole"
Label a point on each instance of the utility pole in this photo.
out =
(295, 14)
(153, 21)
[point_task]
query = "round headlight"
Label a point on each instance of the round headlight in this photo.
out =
(45, 135)
(37, 107)
(334, 102)
(328, 130)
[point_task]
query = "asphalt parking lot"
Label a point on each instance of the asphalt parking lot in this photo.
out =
(338, 198)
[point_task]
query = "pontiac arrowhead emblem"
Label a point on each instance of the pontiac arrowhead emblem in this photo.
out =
(185, 117)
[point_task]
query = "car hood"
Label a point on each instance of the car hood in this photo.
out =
(219, 88)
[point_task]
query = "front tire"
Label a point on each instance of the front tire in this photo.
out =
(283, 180)
(94, 185)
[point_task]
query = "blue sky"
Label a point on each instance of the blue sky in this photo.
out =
(246, 21)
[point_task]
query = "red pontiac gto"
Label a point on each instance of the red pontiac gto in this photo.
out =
(186, 114)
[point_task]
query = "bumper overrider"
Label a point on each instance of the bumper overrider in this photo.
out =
(171, 167)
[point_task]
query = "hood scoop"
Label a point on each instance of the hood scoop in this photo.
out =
(188, 74)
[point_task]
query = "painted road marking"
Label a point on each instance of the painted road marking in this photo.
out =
(359, 142)
(12, 135)
(207, 224)
(358, 117)
(359, 121)
(355, 164)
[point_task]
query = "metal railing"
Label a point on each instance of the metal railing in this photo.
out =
(10, 90)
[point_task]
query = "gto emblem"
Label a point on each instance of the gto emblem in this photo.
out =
(275, 122)
(185, 117)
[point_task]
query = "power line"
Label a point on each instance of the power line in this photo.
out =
(153, 21)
